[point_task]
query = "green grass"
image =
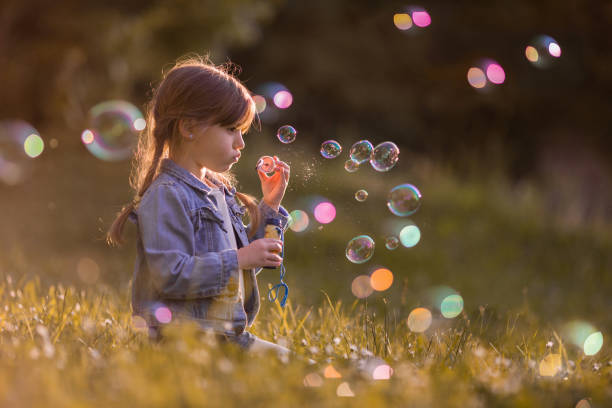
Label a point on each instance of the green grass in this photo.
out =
(61, 346)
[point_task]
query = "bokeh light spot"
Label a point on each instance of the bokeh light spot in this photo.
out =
(331, 372)
(421, 18)
(361, 287)
(344, 390)
(593, 343)
(410, 235)
(299, 220)
(163, 314)
(88, 270)
(325, 212)
(283, 99)
(451, 306)
(554, 49)
(476, 78)
(402, 21)
(496, 73)
(381, 279)
(419, 320)
(531, 53)
(260, 103)
(139, 124)
(87, 136)
(550, 365)
(382, 372)
(313, 380)
(33, 145)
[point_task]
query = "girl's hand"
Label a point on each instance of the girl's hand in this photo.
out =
(274, 186)
(261, 252)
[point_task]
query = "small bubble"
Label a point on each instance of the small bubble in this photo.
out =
(286, 134)
(361, 195)
(392, 243)
(330, 149)
(384, 156)
(351, 166)
(361, 151)
(360, 249)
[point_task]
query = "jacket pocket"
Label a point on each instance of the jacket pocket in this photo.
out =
(207, 227)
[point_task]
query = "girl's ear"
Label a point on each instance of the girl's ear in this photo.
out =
(187, 128)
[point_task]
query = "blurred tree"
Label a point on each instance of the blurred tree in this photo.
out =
(59, 58)
(348, 66)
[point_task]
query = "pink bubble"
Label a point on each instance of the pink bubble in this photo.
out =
(163, 314)
(496, 73)
(325, 212)
(283, 99)
(421, 18)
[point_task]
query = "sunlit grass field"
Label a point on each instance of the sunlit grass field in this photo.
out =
(61, 346)
(525, 274)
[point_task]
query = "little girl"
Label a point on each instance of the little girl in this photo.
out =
(196, 259)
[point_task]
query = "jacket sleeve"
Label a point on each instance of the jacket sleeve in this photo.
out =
(168, 239)
(267, 212)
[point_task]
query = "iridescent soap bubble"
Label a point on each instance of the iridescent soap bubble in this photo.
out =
(286, 134)
(19, 143)
(542, 51)
(410, 235)
(113, 130)
(361, 195)
(351, 166)
(360, 249)
(384, 156)
(330, 149)
(361, 151)
(298, 221)
(267, 164)
(451, 306)
(404, 200)
(392, 243)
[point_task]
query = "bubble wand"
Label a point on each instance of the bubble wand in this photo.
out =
(273, 230)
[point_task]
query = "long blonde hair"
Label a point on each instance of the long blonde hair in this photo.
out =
(193, 88)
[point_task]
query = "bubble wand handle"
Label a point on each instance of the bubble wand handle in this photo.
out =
(273, 230)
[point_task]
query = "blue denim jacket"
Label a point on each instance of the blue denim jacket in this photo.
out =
(185, 259)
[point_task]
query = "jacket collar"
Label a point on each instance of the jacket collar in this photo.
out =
(170, 167)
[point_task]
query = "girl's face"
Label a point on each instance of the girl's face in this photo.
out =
(214, 147)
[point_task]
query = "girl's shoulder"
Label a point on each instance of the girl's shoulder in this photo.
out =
(164, 189)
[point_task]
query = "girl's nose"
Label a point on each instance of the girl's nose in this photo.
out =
(239, 141)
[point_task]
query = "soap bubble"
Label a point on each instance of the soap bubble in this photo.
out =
(286, 134)
(267, 164)
(384, 156)
(542, 51)
(360, 249)
(330, 149)
(361, 195)
(19, 143)
(451, 306)
(298, 221)
(404, 200)
(410, 235)
(113, 129)
(351, 166)
(391, 243)
(360, 151)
